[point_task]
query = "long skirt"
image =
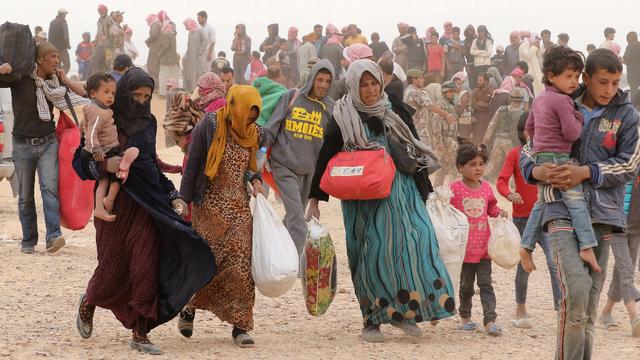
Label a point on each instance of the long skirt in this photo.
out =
(126, 278)
(394, 259)
(225, 222)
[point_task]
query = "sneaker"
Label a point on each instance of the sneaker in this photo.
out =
(244, 340)
(55, 244)
(28, 250)
(145, 347)
(84, 328)
(372, 334)
(185, 322)
(408, 328)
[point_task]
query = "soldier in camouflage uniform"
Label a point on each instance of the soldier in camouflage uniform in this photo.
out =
(446, 137)
(466, 121)
(502, 133)
(418, 98)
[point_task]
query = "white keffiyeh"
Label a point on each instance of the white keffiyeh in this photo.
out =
(51, 90)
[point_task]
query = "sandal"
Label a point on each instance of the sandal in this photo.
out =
(470, 326)
(130, 155)
(635, 327)
(522, 323)
(608, 321)
(494, 330)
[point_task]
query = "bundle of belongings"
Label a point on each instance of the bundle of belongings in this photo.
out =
(182, 116)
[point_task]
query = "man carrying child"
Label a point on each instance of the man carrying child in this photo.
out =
(608, 158)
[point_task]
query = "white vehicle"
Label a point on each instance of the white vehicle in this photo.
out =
(6, 117)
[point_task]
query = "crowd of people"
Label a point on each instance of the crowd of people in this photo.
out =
(471, 113)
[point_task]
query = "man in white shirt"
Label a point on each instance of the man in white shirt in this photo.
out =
(609, 43)
(211, 35)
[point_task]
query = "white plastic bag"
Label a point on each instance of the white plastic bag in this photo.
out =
(274, 261)
(504, 245)
(452, 231)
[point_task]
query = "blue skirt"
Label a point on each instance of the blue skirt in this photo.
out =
(394, 258)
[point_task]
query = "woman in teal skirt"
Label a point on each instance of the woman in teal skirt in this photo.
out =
(398, 275)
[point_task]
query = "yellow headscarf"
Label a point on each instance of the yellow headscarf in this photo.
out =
(234, 117)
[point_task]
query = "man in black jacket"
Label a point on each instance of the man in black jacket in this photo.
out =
(59, 37)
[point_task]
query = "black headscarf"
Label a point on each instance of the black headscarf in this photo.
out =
(273, 30)
(131, 116)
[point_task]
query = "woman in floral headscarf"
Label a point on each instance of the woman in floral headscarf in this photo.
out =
(211, 92)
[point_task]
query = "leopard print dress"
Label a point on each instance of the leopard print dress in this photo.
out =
(224, 220)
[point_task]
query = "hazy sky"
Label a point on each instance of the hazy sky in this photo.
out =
(584, 20)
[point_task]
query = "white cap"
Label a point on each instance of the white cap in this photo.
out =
(62, 11)
(42, 34)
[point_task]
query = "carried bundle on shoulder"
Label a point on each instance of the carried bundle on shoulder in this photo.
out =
(18, 48)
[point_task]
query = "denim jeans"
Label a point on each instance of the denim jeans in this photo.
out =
(522, 277)
(572, 198)
(43, 159)
(487, 297)
(580, 286)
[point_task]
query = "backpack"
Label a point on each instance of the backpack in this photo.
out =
(18, 48)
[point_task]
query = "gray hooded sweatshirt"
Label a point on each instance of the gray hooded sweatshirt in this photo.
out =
(296, 132)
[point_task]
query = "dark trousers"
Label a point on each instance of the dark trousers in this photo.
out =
(482, 271)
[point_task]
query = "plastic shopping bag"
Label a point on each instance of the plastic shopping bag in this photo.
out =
(452, 231)
(274, 262)
(319, 269)
(504, 245)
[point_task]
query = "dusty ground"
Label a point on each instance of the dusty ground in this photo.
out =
(39, 294)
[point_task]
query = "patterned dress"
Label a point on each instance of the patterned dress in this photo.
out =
(224, 220)
(394, 258)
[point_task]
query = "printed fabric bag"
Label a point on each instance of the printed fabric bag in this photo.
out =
(452, 231)
(274, 258)
(504, 245)
(319, 269)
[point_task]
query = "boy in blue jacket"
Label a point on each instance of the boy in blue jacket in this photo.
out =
(608, 154)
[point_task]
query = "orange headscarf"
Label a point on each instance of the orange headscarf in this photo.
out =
(234, 119)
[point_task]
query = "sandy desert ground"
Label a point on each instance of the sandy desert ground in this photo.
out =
(39, 294)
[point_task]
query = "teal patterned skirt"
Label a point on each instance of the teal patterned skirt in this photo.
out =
(394, 259)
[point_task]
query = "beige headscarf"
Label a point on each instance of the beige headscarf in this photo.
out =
(346, 115)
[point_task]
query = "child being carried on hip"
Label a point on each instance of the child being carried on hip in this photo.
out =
(554, 125)
(101, 142)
